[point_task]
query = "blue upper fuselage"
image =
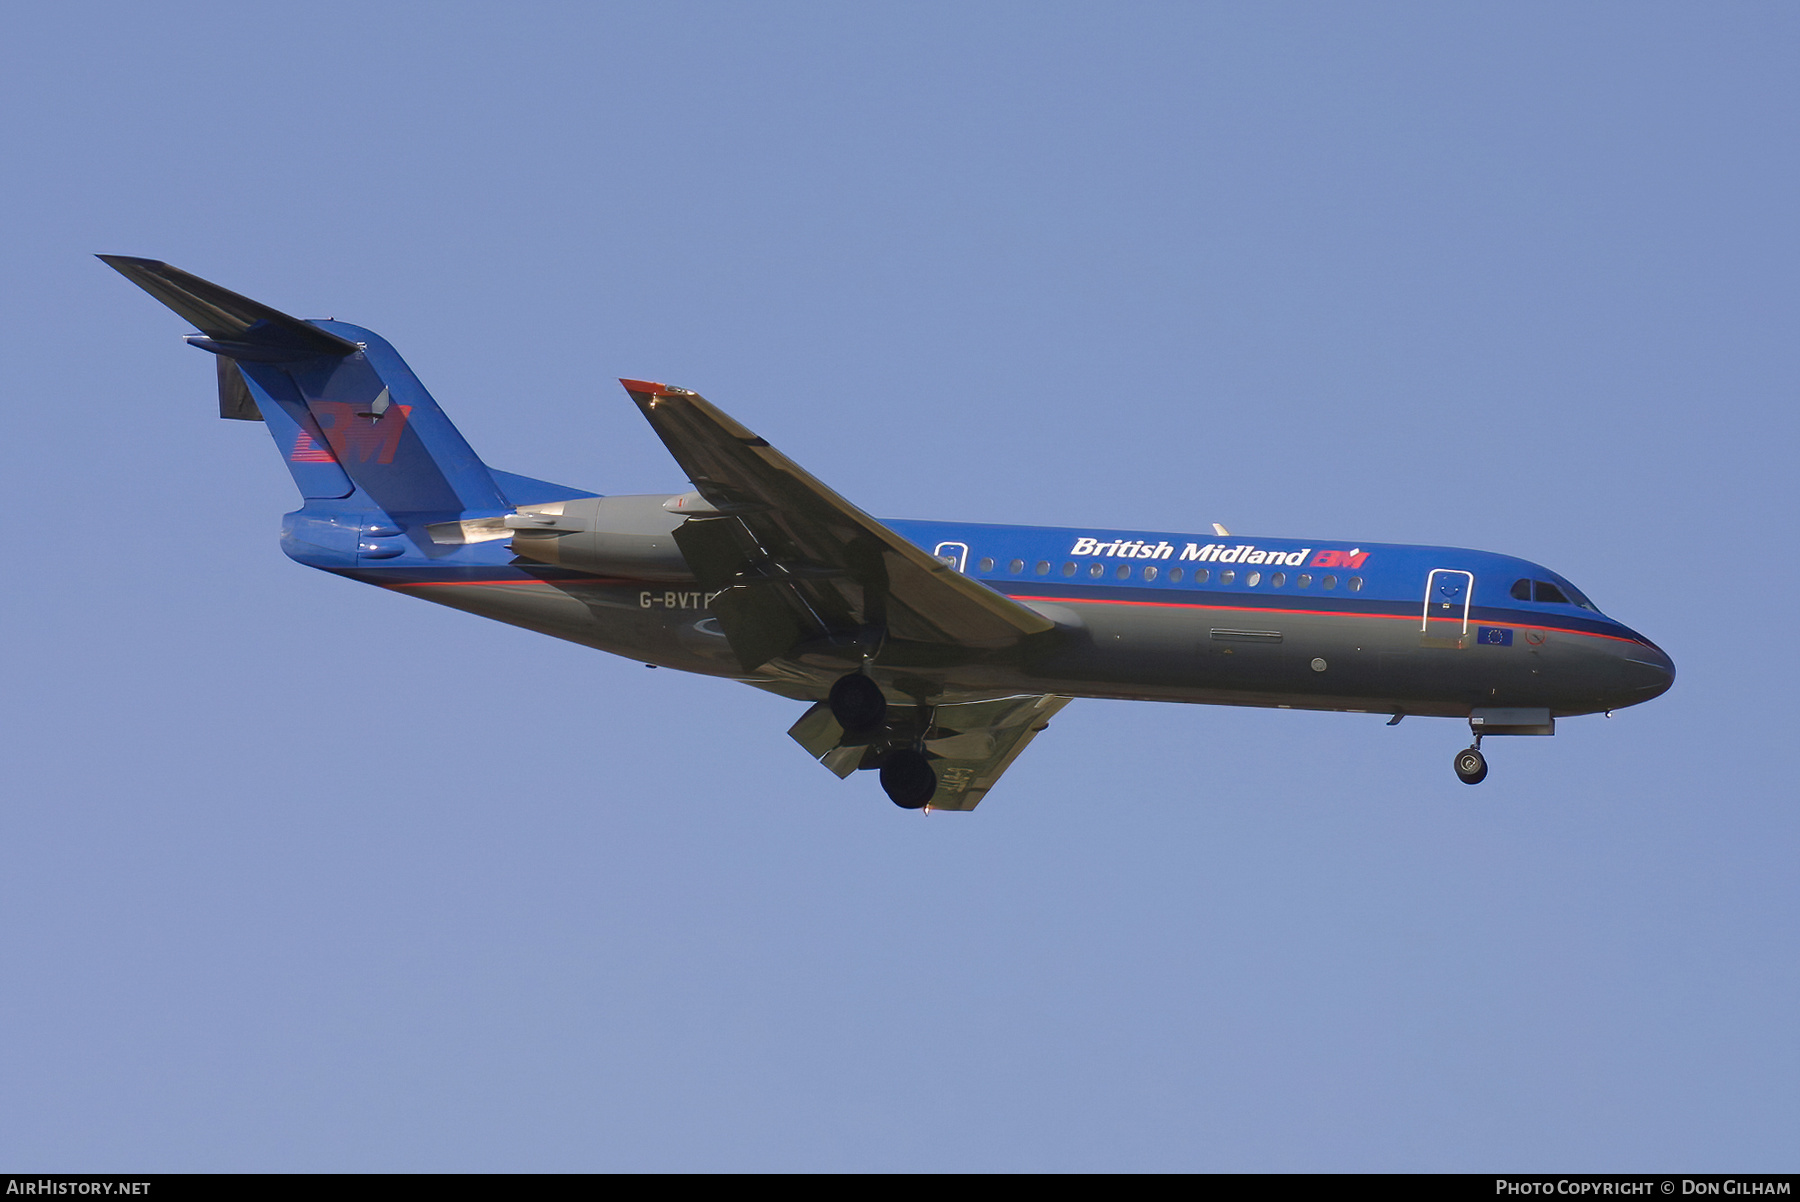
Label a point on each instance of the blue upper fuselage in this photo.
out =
(1246, 572)
(1081, 566)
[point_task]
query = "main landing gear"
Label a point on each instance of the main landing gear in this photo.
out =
(907, 778)
(857, 704)
(906, 773)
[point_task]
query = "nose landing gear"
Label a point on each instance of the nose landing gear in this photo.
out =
(1471, 766)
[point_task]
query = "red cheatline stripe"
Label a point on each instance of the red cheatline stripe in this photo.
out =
(1248, 609)
(1323, 613)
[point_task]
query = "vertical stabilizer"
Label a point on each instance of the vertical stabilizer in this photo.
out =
(344, 409)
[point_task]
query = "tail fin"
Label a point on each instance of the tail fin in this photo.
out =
(343, 407)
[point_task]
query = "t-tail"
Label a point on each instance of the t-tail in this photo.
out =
(371, 452)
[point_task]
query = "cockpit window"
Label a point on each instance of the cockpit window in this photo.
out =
(1577, 598)
(1555, 594)
(1543, 590)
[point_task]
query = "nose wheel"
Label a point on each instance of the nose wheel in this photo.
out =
(1471, 765)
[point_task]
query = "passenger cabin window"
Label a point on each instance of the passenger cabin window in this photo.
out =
(1200, 575)
(1278, 579)
(987, 565)
(1016, 566)
(1124, 571)
(1356, 584)
(1252, 579)
(1068, 569)
(1174, 575)
(1303, 580)
(1521, 590)
(1328, 582)
(1043, 567)
(1149, 573)
(1227, 576)
(1096, 570)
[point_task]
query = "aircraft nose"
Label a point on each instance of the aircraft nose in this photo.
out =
(1649, 672)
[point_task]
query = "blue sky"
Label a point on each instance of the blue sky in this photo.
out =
(302, 875)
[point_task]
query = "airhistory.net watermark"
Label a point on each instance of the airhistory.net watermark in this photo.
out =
(50, 1187)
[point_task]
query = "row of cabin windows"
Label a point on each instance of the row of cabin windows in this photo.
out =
(1543, 590)
(1200, 575)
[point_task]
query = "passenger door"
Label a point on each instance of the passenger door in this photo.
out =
(1444, 618)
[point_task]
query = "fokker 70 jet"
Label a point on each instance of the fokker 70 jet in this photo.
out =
(930, 652)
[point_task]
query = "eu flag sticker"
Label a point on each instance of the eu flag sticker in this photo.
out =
(1494, 636)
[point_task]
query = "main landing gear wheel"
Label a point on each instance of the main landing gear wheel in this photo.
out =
(907, 776)
(857, 704)
(1471, 766)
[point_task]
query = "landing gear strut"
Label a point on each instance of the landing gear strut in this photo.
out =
(907, 777)
(1471, 765)
(857, 704)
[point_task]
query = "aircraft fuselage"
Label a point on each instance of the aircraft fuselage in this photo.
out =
(1222, 620)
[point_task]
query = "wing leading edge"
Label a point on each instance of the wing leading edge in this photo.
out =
(799, 568)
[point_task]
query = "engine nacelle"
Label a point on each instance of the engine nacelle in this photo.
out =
(632, 537)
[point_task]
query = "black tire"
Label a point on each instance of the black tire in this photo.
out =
(857, 704)
(1471, 766)
(907, 777)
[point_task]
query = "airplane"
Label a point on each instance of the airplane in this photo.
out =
(931, 653)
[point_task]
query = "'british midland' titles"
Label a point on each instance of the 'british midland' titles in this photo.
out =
(1216, 553)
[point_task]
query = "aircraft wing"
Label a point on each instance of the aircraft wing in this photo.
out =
(970, 743)
(797, 566)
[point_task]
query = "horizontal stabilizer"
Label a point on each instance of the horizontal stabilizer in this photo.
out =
(235, 326)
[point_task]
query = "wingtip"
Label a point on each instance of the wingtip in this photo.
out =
(646, 386)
